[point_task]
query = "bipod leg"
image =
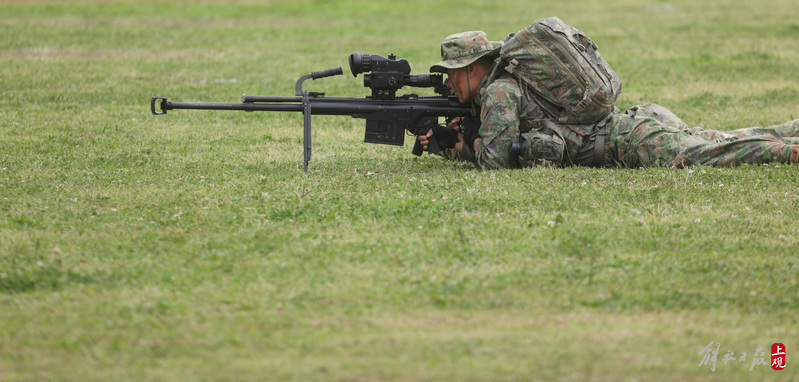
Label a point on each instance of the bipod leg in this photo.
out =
(306, 140)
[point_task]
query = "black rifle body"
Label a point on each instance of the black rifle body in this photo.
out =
(386, 120)
(388, 116)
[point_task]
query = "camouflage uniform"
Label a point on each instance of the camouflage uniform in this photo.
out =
(650, 135)
(645, 135)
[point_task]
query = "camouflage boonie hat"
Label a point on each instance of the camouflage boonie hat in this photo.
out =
(461, 49)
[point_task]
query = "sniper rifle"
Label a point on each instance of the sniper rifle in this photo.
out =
(388, 116)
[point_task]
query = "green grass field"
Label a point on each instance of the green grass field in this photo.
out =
(192, 246)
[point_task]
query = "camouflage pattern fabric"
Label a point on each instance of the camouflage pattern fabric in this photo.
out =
(563, 66)
(649, 135)
(461, 49)
(645, 135)
(505, 114)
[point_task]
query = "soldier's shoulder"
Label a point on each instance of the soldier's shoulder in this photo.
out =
(502, 89)
(504, 82)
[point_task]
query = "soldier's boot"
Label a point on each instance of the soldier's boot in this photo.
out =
(795, 154)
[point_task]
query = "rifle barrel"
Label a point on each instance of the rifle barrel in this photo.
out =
(325, 105)
(244, 106)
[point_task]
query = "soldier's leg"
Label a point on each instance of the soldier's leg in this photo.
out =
(734, 151)
(788, 129)
(782, 132)
(644, 142)
(655, 111)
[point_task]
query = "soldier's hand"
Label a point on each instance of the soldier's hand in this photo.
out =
(455, 123)
(470, 127)
(446, 137)
(424, 140)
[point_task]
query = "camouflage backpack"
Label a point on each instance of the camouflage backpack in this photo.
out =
(562, 65)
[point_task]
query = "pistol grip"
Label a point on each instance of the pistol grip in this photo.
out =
(417, 149)
(432, 147)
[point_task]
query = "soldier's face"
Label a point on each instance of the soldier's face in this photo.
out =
(460, 84)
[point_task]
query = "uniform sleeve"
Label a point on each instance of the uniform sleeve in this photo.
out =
(500, 126)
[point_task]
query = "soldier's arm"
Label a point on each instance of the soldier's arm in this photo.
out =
(500, 126)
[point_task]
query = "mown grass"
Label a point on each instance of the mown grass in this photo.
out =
(192, 245)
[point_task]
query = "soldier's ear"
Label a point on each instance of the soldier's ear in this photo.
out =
(473, 70)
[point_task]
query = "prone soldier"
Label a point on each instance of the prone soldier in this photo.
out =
(527, 117)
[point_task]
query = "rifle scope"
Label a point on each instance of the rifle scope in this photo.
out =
(390, 74)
